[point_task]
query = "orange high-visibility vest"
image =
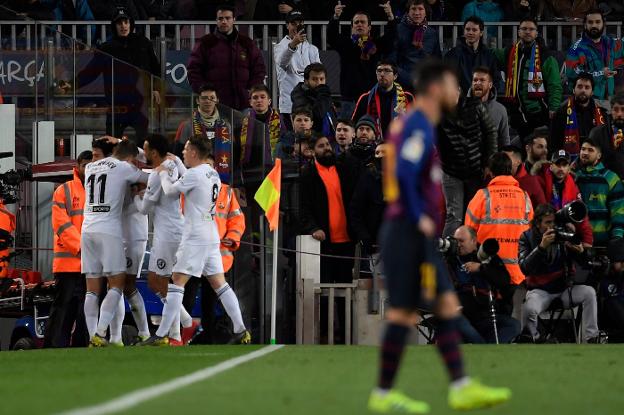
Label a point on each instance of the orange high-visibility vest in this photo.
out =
(67, 215)
(502, 211)
(230, 222)
(7, 224)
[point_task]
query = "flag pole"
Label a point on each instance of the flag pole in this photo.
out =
(274, 285)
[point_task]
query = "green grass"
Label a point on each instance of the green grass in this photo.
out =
(547, 379)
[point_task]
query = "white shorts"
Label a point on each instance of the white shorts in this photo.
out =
(134, 256)
(162, 257)
(102, 255)
(191, 259)
(213, 263)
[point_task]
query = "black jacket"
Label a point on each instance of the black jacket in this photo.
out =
(367, 206)
(465, 59)
(584, 118)
(314, 203)
(357, 75)
(466, 139)
(612, 158)
(318, 100)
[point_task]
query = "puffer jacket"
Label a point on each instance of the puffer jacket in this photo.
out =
(465, 59)
(233, 64)
(466, 139)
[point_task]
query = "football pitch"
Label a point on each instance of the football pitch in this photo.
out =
(320, 380)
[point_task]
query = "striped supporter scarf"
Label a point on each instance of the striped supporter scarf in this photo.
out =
(272, 134)
(572, 138)
(373, 107)
(366, 45)
(535, 79)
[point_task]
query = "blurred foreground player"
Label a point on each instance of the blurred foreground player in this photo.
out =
(415, 274)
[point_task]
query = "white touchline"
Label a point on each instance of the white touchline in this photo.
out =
(134, 398)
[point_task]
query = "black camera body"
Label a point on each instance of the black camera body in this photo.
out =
(9, 184)
(447, 246)
(572, 213)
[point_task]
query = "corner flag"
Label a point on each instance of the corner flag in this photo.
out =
(268, 194)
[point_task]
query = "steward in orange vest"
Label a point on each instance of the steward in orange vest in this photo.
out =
(7, 227)
(502, 211)
(68, 305)
(231, 224)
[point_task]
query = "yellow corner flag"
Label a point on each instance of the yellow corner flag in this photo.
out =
(268, 194)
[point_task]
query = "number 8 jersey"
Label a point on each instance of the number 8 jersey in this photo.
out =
(106, 184)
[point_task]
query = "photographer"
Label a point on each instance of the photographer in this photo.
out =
(612, 292)
(542, 257)
(482, 281)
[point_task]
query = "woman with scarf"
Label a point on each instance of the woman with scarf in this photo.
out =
(416, 40)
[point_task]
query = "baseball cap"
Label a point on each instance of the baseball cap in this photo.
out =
(294, 16)
(560, 155)
(120, 13)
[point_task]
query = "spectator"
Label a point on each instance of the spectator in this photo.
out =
(603, 193)
(466, 140)
(314, 93)
(367, 204)
(385, 101)
(612, 290)
(610, 137)
(483, 88)
(544, 261)
(345, 134)
(536, 148)
(132, 52)
(262, 127)
(362, 150)
(415, 41)
(486, 10)
(229, 60)
(502, 211)
(279, 9)
(206, 121)
(475, 279)
(67, 308)
(359, 53)
(532, 82)
(566, 9)
(596, 53)
(440, 10)
(560, 189)
(574, 120)
(160, 9)
(471, 52)
(527, 9)
(292, 55)
(328, 188)
(533, 185)
(290, 143)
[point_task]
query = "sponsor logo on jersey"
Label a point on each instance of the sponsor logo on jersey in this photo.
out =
(99, 209)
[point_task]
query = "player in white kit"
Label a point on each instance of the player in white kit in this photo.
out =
(106, 183)
(199, 248)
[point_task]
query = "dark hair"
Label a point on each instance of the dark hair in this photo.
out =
(428, 72)
(528, 19)
(314, 67)
(125, 149)
(104, 145)
(483, 69)
(511, 149)
(586, 77)
(500, 164)
(345, 121)
(226, 8)
(617, 99)
(315, 138)
(539, 132)
(476, 20)
(301, 111)
(258, 88)
(159, 143)
(364, 14)
(592, 142)
(201, 144)
(541, 211)
(85, 155)
(594, 11)
(207, 87)
(387, 62)
(411, 3)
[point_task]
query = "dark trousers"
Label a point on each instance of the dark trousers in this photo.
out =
(66, 311)
(208, 303)
(507, 326)
(533, 121)
(133, 118)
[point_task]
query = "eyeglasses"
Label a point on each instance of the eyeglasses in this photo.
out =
(384, 70)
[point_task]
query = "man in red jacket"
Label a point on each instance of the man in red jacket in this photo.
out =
(560, 189)
(530, 184)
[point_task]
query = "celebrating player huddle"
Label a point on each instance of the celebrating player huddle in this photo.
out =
(185, 242)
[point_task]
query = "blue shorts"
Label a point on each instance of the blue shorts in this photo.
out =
(415, 273)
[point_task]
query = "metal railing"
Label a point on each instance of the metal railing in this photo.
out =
(183, 34)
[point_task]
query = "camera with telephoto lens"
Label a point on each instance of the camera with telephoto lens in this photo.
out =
(487, 250)
(447, 245)
(573, 212)
(10, 182)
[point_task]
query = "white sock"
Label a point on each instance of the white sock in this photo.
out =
(174, 330)
(107, 310)
(116, 323)
(91, 311)
(232, 308)
(185, 318)
(162, 299)
(460, 383)
(171, 309)
(137, 305)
